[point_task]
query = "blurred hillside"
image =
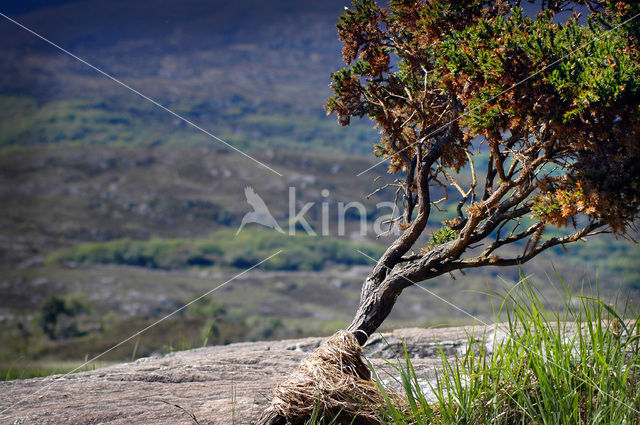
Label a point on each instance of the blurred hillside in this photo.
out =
(114, 213)
(254, 73)
(115, 238)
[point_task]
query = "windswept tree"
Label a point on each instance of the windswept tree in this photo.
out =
(554, 102)
(551, 103)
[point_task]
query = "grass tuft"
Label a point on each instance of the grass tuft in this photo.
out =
(580, 365)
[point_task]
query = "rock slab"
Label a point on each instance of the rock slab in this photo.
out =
(217, 385)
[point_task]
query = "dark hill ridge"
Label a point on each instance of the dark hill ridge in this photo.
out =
(219, 385)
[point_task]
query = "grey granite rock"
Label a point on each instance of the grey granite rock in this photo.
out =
(219, 385)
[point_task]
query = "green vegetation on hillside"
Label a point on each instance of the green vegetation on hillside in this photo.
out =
(109, 121)
(619, 257)
(223, 248)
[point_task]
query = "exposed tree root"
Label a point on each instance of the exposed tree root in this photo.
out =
(335, 382)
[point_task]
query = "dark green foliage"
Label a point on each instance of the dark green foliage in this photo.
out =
(53, 311)
(442, 235)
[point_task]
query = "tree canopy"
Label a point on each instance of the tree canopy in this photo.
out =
(553, 100)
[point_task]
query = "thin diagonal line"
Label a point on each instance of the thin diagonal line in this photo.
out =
(496, 325)
(503, 92)
(139, 94)
(141, 331)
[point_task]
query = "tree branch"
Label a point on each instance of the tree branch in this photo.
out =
(484, 260)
